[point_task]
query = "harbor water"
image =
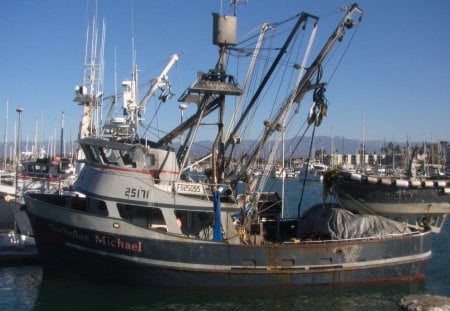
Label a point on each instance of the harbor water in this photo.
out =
(23, 287)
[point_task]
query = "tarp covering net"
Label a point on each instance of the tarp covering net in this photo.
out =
(331, 221)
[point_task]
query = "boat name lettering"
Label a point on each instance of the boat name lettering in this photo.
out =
(136, 193)
(190, 188)
(117, 242)
(112, 242)
(69, 232)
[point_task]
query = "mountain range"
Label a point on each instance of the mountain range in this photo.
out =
(300, 149)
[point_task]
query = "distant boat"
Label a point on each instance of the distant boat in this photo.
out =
(36, 175)
(285, 172)
(317, 168)
(426, 201)
(134, 215)
(16, 247)
(7, 194)
(313, 171)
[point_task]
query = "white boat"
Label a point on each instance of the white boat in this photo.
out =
(16, 248)
(317, 169)
(285, 172)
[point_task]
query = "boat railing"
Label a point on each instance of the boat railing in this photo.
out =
(402, 182)
(344, 241)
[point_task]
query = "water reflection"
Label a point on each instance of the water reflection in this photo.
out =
(19, 286)
(24, 288)
(77, 294)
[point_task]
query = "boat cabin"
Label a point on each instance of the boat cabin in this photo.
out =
(160, 161)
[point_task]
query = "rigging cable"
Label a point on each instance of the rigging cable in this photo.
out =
(343, 54)
(304, 179)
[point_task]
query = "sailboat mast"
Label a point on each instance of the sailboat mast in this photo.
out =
(5, 138)
(283, 173)
(42, 146)
(61, 150)
(363, 147)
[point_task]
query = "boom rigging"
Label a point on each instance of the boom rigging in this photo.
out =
(304, 85)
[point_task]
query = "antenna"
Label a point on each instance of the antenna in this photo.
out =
(115, 80)
(234, 4)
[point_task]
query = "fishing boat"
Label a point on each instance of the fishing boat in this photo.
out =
(7, 194)
(135, 215)
(420, 201)
(35, 175)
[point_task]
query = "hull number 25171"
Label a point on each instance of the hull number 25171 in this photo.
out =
(136, 193)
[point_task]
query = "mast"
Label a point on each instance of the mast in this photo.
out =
(89, 94)
(209, 91)
(362, 164)
(19, 151)
(223, 44)
(61, 150)
(42, 146)
(5, 138)
(35, 150)
(283, 174)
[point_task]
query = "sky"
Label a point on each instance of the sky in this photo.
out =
(393, 83)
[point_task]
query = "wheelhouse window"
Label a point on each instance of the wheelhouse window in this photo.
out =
(143, 216)
(128, 158)
(198, 224)
(92, 206)
(91, 153)
(97, 207)
(109, 155)
(151, 159)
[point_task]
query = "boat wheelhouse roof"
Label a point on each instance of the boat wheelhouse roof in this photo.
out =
(121, 145)
(106, 143)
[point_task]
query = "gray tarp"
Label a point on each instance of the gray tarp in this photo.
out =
(338, 223)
